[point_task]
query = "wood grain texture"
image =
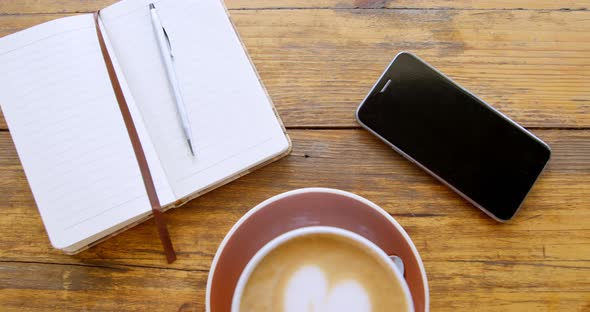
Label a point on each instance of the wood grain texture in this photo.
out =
(539, 261)
(63, 6)
(462, 287)
(319, 64)
(424, 4)
(52, 287)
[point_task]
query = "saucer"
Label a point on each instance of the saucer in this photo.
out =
(310, 207)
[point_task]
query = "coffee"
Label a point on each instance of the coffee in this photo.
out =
(322, 273)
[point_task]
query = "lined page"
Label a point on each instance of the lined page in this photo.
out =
(233, 124)
(68, 130)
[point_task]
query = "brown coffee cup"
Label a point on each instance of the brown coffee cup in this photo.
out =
(304, 208)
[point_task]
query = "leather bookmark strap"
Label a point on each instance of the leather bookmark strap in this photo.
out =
(136, 143)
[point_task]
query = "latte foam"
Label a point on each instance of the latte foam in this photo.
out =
(322, 273)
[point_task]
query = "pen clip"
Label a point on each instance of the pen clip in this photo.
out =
(168, 40)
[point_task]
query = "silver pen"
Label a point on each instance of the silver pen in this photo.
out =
(168, 59)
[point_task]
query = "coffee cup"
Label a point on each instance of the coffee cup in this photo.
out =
(321, 268)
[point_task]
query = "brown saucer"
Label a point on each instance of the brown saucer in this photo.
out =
(309, 207)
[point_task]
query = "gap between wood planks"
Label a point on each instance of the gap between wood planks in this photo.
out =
(125, 267)
(327, 128)
(359, 127)
(409, 8)
(342, 9)
(114, 267)
(344, 128)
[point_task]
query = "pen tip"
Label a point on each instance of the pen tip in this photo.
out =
(190, 147)
(152, 6)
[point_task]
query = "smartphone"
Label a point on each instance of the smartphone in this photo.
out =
(478, 152)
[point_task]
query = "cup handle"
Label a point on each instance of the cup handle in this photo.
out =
(398, 263)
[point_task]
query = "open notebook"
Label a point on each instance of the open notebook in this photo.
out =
(69, 133)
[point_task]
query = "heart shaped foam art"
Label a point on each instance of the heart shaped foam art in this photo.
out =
(309, 289)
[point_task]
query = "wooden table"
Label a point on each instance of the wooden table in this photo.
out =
(530, 59)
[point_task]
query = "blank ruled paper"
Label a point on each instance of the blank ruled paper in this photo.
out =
(63, 116)
(233, 123)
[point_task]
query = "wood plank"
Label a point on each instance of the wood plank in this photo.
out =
(553, 225)
(61, 6)
(423, 4)
(319, 64)
(86, 288)
(474, 286)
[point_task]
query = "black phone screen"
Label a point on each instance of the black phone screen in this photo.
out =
(460, 139)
